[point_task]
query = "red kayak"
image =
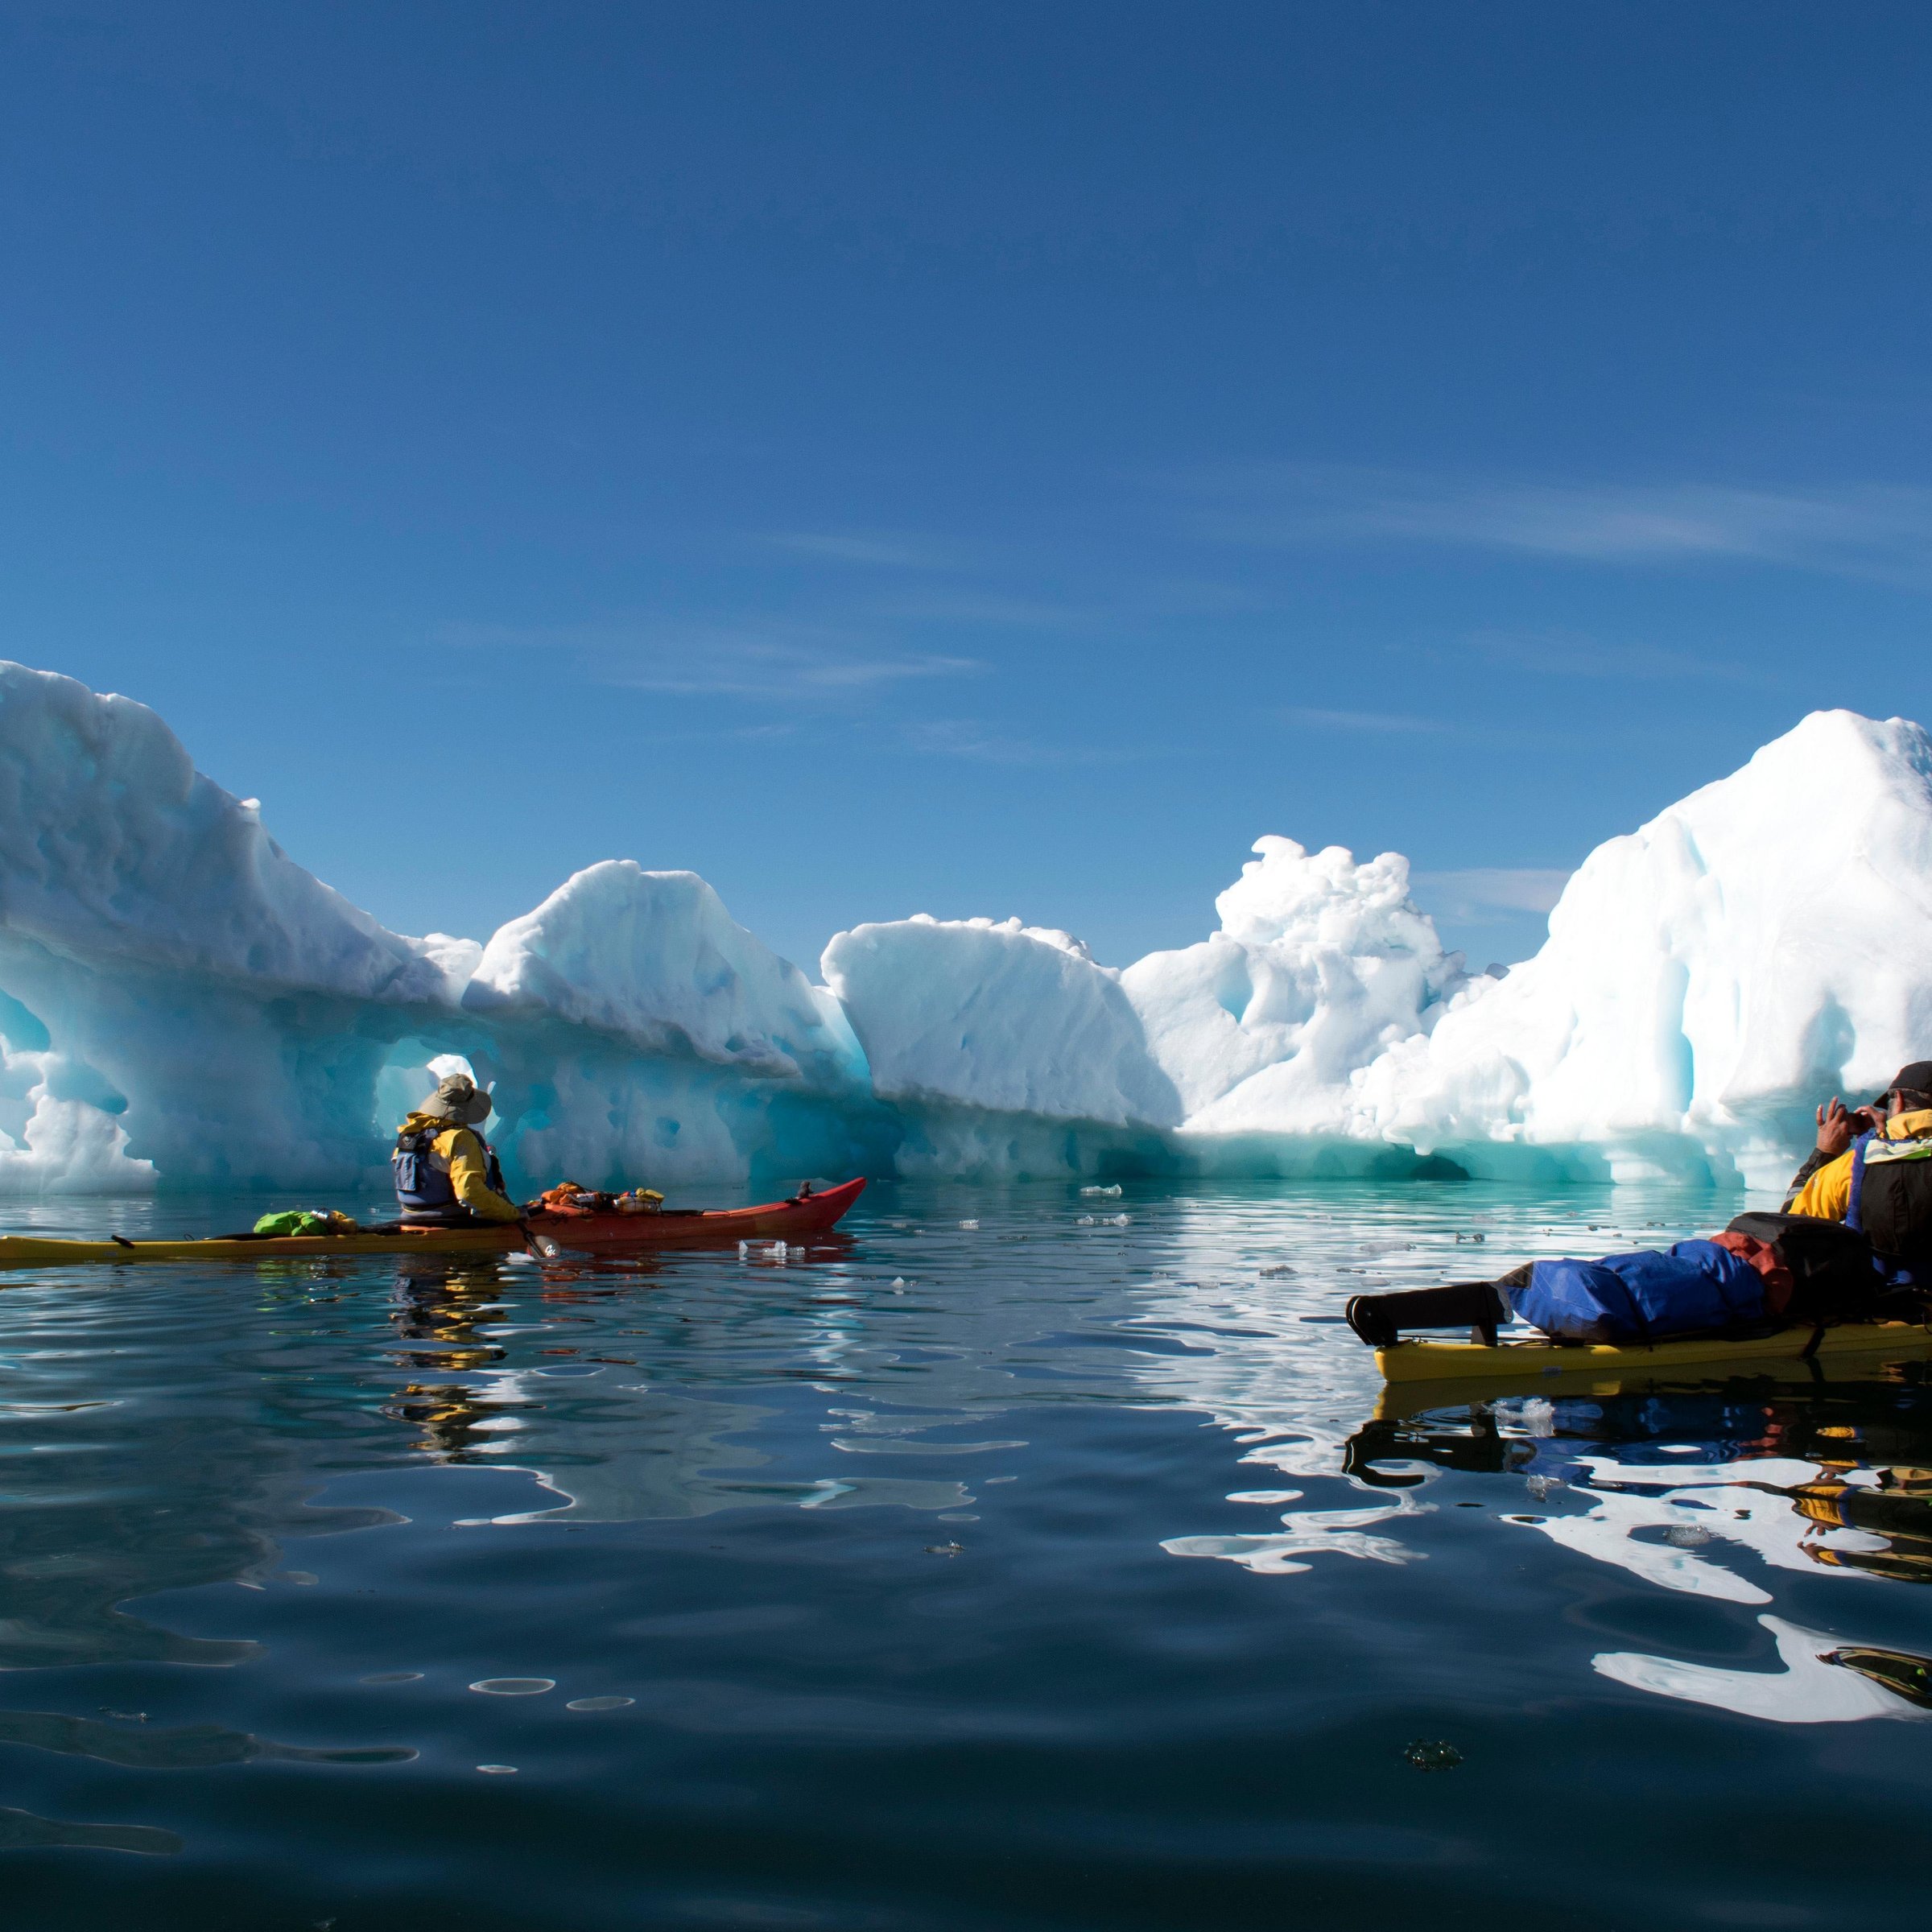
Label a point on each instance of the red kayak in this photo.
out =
(796, 1219)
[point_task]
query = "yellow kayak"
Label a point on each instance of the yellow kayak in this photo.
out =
(28, 1251)
(1530, 1361)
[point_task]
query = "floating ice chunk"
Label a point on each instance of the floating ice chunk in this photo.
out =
(770, 1254)
(1114, 1192)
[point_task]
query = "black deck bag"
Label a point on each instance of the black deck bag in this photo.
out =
(1834, 1274)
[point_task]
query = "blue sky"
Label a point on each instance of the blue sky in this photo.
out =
(969, 459)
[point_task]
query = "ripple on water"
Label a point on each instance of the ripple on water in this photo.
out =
(1708, 1572)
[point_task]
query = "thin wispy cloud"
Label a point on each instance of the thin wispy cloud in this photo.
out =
(984, 609)
(985, 744)
(1393, 722)
(1559, 654)
(700, 659)
(874, 549)
(1868, 530)
(1489, 888)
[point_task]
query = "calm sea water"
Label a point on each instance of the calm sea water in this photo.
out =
(980, 1569)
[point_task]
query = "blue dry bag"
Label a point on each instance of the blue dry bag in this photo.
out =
(1643, 1296)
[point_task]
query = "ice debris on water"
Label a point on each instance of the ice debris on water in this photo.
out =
(1687, 1536)
(1432, 1754)
(769, 1254)
(515, 1687)
(1086, 1221)
(945, 1548)
(1111, 1193)
(969, 1226)
(1276, 1271)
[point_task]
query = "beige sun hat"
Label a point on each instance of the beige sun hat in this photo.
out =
(458, 1098)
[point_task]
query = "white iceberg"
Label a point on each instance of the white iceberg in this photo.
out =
(1708, 979)
(1017, 1019)
(1320, 965)
(634, 1030)
(181, 1003)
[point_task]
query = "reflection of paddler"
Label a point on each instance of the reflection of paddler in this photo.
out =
(438, 1307)
(1899, 1511)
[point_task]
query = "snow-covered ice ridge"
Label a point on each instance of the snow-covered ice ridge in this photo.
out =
(181, 1003)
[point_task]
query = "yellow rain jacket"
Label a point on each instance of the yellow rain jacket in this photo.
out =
(460, 1153)
(1827, 1194)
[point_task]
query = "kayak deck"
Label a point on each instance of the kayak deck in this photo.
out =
(792, 1219)
(1530, 1360)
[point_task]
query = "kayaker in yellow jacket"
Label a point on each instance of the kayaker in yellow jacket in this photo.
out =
(1822, 1188)
(446, 1173)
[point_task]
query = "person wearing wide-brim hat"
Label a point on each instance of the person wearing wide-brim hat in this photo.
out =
(446, 1173)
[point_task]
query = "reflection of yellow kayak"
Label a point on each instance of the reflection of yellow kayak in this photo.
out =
(1516, 1363)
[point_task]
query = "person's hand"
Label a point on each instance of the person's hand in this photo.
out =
(1838, 1126)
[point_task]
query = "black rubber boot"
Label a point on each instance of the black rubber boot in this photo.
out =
(1380, 1320)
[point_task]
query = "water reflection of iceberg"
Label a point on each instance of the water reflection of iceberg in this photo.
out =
(1712, 1491)
(1821, 1683)
(1309, 1532)
(1706, 1514)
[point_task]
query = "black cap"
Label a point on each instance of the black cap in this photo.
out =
(1916, 1078)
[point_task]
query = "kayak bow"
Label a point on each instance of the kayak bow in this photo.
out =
(794, 1219)
(1530, 1361)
